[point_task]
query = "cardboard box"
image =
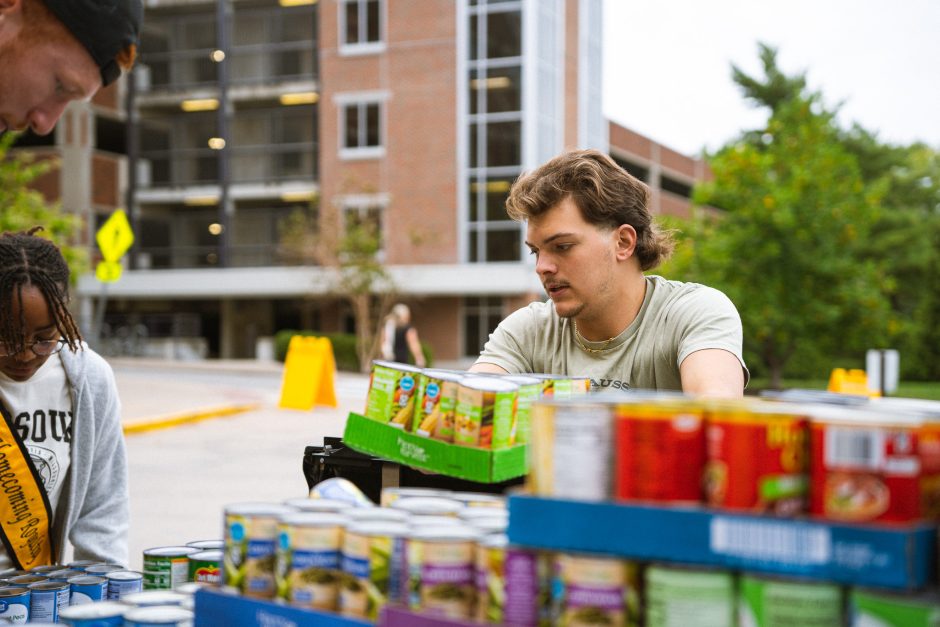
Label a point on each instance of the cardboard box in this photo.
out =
(901, 556)
(473, 464)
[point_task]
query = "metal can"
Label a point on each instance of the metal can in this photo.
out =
(63, 574)
(428, 506)
(435, 521)
(680, 596)
(82, 564)
(87, 589)
(372, 558)
(308, 559)
(207, 545)
(485, 413)
(757, 458)
(562, 432)
(151, 598)
(250, 538)
(124, 582)
(391, 494)
(318, 505)
(865, 465)
(596, 590)
(376, 514)
(392, 391)
(659, 451)
(775, 602)
(46, 600)
(158, 616)
(25, 580)
(469, 514)
(870, 608)
(102, 569)
(437, 401)
(440, 564)
(480, 500)
(166, 567)
(340, 489)
(14, 604)
(530, 391)
(204, 567)
(507, 583)
(103, 614)
(559, 387)
(42, 570)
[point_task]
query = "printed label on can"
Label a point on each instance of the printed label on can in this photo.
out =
(441, 576)
(434, 413)
(595, 590)
(579, 428)
(205, 567)
(483, 417)
(507, 586)
(757, 463)
(688, 597)
(165, 571)
(367, 567)
(874, 609)
(771, 603)
(14, 605)
(308, 565)
(391, 396)
(88, 589)
(660, 453)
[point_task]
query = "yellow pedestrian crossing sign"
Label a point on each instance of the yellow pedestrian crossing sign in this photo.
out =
(108, 271)
(114, 238)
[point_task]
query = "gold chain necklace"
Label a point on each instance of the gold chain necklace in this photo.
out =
(577, 338)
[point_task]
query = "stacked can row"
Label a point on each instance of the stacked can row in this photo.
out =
(85, 593)
(467, 409)
(423, 549)
(877, 462)
(591, 590)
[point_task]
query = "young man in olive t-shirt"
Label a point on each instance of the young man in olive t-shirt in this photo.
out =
(593, 237)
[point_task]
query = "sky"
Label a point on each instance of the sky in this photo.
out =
(667, 65)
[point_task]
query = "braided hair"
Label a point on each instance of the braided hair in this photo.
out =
(29, 260)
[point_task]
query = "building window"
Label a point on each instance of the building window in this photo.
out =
(481, 315)
(361, 130)
(360, 26)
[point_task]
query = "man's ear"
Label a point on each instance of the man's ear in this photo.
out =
(10, 5)
(625, 241)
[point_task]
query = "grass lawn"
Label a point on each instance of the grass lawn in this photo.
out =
(910, 389)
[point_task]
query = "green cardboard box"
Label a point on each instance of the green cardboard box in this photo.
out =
(397, 445)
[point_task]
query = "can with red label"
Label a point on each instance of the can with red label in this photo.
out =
(757, 457)
(660, 451)
(866, 465)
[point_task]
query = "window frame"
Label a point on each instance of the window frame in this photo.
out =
(361, 47)
(360, 101)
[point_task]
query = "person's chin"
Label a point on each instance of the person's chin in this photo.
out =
(19, 374)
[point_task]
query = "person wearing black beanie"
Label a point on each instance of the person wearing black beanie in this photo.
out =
(56, 51)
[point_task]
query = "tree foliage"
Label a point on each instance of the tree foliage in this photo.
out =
(790, 248)
(24, 207)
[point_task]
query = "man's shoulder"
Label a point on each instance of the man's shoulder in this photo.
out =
(670, 292)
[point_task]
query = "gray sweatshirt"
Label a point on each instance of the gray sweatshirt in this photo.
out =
(93, 511)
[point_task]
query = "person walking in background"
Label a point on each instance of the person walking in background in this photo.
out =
(56, 51)
(62, 451)
(399, 338)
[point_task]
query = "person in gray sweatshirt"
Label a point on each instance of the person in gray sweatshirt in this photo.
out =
(63, 467)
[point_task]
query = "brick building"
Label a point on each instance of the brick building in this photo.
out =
(412, 116)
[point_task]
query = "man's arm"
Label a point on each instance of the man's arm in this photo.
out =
(487, 368)
(712, 372)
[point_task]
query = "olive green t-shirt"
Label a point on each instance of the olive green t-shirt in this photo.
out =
(675, 320)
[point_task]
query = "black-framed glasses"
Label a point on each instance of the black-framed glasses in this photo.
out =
(40, 348)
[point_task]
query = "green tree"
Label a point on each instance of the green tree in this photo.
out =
(24, 207)
(788, 248)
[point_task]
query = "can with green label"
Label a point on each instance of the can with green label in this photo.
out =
(530, 390)
(205, 567)
(166, 567)
(392, 391)
(868, 608)
(773, 602)
(485, 413)
(680, 596)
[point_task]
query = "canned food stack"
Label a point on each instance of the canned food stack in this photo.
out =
(465, 409)
(431, 551)
(85, 593)
(876, 465)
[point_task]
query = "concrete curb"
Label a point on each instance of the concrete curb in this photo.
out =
(173, 420)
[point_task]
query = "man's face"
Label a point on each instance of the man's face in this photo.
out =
(575, 260)
(40, 326)
(40, 75)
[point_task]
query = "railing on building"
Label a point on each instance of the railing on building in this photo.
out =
(206, 256)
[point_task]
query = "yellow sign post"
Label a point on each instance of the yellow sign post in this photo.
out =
(309, 374)
(114, 238)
